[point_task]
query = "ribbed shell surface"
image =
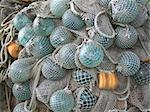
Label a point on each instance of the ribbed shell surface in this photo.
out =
(43, 26)
(104, 3)
(72, 21)
(22, 91)
(129, 64)
(53, 71)
(19, 108)
(126, 38)
(91, 55)
(21, 20)
(124, 11)
(61, 36)
(66, 56)
(62, 101)
(58, 7)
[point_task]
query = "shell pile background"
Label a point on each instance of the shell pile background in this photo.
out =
(74, 55)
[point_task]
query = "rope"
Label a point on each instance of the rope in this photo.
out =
(7, 99)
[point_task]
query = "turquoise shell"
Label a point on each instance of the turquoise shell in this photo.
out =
(104, 41)
(43, 26)
(104, 3)
(20, 70)
(61, 36)
(19, 108)
(62, 101)
(87, 100)
(142, 77)
(22, 91)
(91, 55)
(72, 21)
(58, 7)
(129, 64)
(126, 38)
(82, 77)
(25, 34)
(21, 20)
(124, 11)
(2, 93)
(66, 56)
(53, 71)
(40, 46)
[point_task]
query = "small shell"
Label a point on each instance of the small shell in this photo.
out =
(104, 3)
(13, 49)
(129, 64)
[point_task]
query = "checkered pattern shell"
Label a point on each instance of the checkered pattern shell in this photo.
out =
(129, 64)
(20, 70)
(61, 36)
(66, 56)
(104, 41)
(19, 108)
(72, 21)
(104, 2)
(43, 26)
(40, 46)
(124, 38)
(58, 7)
(87, 99)
(124, 11)
(82, 77)
(25, 34)
(22, 91)
(52, 71)
(21, 20)
(91, 55)
(62, 101)
(142, 77)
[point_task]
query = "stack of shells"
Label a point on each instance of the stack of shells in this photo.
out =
(41, 37)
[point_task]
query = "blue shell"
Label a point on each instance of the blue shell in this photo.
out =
(91, 55)
(58, 7)
(104, 3)
(82, 77)
(104, 41)
(20, 70)
(25, 34)
(19, 108)
(126, 38)
(124, 11)
(129, 64)
(72, 21)
(61, 36)
(2, 93)
(62, 101)
(21, 20)
(43, 26)
(40, 46)
(22, 91)
(142, 77)
(52, 71)
(87, 100)
(66, 56)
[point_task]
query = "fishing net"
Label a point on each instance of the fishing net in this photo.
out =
(74, 56)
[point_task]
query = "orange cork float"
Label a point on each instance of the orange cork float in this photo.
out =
(108, 80)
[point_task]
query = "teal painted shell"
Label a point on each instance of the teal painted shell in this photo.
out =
(25, 34)
(87, 100)
(82, 77)
(2, 93)
(126, 37)
(61, 36)
(72, 21)
(22, 91)
(20, 70)
(21, 20)
(104, 41)
(40, 46)
(66, 56)
(129, 64)
(124, 11)
(141, 17)
(62, 101)
(19, 108)
(104, 3)
(43, 26)
(52, 71)
(91, 55)
(142, 77)
(58, 7)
